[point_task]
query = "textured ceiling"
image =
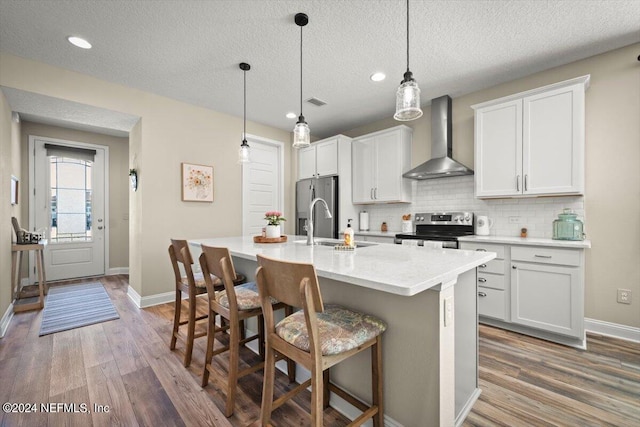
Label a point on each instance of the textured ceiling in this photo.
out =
(190, 50)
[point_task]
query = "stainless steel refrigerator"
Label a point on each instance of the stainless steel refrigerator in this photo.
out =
(307, 190)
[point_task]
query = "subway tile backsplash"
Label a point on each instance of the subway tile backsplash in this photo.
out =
(536, 214)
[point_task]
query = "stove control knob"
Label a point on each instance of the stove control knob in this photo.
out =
(467, 218)
(420, 218)
(458, 218)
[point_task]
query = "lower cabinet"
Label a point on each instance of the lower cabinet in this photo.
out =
(378, 239)
(534, 290)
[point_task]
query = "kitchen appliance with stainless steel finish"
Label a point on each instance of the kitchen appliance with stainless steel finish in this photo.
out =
(444, 227)
(307, 190)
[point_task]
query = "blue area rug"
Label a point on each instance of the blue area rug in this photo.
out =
(72, 306)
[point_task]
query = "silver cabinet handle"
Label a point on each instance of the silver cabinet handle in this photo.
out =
(482, 294)
(481, 250)
(375, 192)
(482, 266)
(542, 256)
(525, 182)
(518, 183)
(100, 228)
(482, 280)
(371, 193)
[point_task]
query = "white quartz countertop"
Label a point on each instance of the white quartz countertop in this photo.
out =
(397, 269)
(528, 241)
(391, 234)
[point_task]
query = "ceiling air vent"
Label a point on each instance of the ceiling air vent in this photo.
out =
(316, 101)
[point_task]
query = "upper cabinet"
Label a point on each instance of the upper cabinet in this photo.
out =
(319, 159)
(379, 159)
(532, 143)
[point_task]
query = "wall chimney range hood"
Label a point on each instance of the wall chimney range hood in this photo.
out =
(441, 164)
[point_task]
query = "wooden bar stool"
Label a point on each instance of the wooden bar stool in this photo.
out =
(192, 284)
(235, 304)
(317, 337)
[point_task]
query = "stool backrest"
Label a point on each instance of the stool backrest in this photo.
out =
(217, 261)
(179, 253)
(285, 281)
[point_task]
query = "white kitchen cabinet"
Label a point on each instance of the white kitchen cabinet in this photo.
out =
(319, 159)
(531, 143)
(377, 239)
(379, 159)
(493, 290)
(547, 294)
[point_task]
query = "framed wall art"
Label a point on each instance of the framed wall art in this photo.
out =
(197, 183)
(14, 190)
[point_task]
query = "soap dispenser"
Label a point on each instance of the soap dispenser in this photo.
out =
(348, 235)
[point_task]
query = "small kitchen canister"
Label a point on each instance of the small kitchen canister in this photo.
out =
(568, 226)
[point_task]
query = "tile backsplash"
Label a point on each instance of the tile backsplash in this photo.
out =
(536, 214)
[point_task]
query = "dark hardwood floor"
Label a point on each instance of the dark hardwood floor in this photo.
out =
(126, 365)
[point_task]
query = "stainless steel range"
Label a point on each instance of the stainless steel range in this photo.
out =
(443, 227)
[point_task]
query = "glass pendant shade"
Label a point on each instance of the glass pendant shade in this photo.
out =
(301, 134)
(408, 101)
(243, 153)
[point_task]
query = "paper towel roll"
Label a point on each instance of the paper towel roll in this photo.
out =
(364, 221)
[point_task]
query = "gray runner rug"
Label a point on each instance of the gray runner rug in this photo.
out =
(72, 306)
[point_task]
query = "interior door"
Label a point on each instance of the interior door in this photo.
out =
(69, 206)
(262, 184)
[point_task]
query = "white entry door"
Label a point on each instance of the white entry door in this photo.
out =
(262, 183)
(68, 204)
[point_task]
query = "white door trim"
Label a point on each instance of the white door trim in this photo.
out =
(32, 199)
(280, 147)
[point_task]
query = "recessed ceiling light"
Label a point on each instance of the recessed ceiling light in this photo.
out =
(77, 41)
(378, 77)
(291, 115)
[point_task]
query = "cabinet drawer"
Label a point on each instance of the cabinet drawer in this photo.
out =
(546, 255)
(495, 266)
(485, 247)
(488, 280)
(491, 303)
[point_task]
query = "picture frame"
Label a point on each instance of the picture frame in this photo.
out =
(14, 190)
(197, 183)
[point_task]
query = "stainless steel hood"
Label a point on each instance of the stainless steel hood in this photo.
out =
(441, 164)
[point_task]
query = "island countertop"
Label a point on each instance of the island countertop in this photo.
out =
(397, 269)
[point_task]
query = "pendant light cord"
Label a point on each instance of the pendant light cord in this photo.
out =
(301, 70)
(407, 35)
(244, 135)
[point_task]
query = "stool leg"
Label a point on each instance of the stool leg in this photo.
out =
(376, 381)
(261, 336)
(317, 393)
(325, 388)
(191, 330)
(176, 320)
(211, 335)
(232, 382)
(267, 386)
(291, 365)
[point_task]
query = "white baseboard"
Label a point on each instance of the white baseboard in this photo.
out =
(336, 402)
(6, 319)
(614, 330)
(143, 302)
(117, 270)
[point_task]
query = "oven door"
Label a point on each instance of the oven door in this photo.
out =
(435, 243)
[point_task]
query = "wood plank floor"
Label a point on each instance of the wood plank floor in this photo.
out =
(126, 365)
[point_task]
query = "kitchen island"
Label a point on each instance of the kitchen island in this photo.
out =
(428, 298)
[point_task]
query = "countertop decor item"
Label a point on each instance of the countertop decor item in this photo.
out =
(483, 225)
(301, 132)
(523, 232)
(243, 153)
(408, 94)
(383, 227)
(568, 226)
(364, 221)
(197, 183)
(260, 239)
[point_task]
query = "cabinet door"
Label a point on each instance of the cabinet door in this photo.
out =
(388, 167)
(307, 162)
(548, 298)
(327, 158)
(498, 150)
(553, 152)
(363, 155)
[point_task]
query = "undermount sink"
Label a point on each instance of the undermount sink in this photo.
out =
(334, 242)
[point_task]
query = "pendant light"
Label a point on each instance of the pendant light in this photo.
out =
(301, 132)
(243, 153)
(408, 95)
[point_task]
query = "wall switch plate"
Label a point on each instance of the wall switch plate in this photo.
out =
(448, 311)
(624, 296)
(514, 220)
